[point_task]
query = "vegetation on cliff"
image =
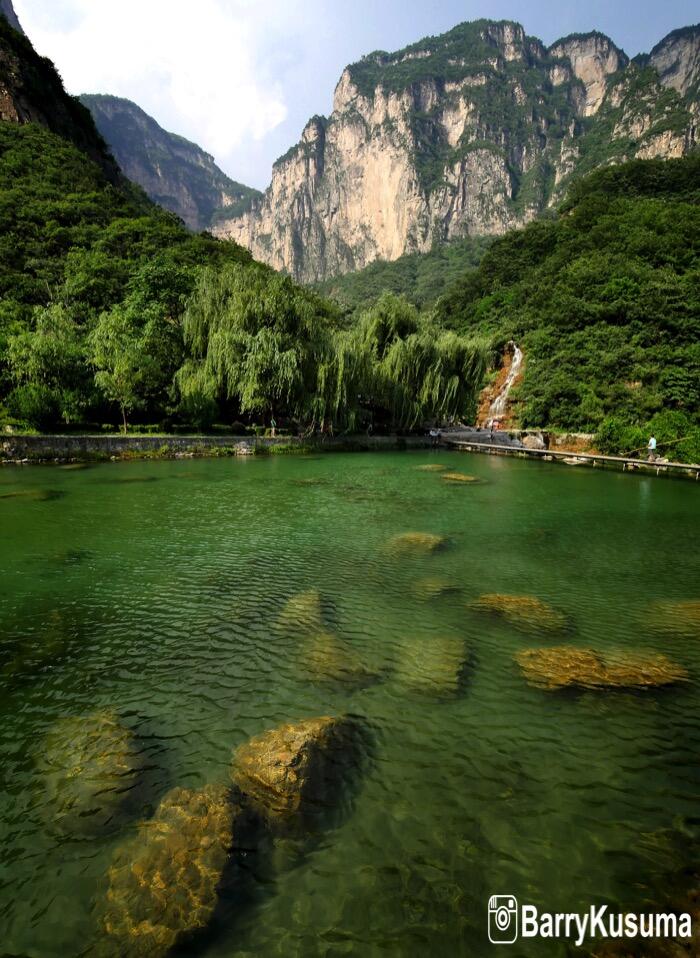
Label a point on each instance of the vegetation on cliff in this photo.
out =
(110, 309)
(175, 173)
(605, 302)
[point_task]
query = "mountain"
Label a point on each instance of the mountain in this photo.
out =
(175, 173)
(31, 92)
(471, 133)
(7, 11)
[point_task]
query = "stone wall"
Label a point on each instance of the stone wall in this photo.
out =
(21, 448)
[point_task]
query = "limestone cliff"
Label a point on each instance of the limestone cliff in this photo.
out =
(470, 133)
(175, 173)
(8, 12)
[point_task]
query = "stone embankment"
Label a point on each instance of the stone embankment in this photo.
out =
(28, 448)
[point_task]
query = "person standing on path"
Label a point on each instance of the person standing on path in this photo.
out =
(651, 446)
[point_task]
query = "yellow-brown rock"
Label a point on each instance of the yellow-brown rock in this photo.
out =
(284, 771)
(89, 764)
(570, 667)
(163, 883)
(458, 477)
(432, 665)
(677, 618)
(415, 544)
(325, 657)
(522, 611)
(302, 615)
(433, 586)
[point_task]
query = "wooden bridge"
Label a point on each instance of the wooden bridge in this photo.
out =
(576, 458)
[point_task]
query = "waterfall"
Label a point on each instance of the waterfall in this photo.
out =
(498, 406)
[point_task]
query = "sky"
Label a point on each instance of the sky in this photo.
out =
(242, 77)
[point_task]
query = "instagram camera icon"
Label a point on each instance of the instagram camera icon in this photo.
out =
(503, 919)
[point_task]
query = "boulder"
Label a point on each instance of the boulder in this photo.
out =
(677, 618)
(534, 441)
(431, 467)
(525, 612)
(290, 770)
(415, 544)
(163, 883)
(433, 666)
(433, 587)
(302, 614)
(458, 477)
(89, 765)
(325, 657)
(570, 667)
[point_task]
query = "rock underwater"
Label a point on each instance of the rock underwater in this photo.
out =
(294, 769)
(525, 612)
(433, 587)
(677, 618)
(570, 667)
(433, 666)
(415, 544)
(89, 765)
(303, 614)
(164, 882)
(325, 657)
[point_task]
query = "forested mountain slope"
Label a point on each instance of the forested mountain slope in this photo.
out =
(175, 173)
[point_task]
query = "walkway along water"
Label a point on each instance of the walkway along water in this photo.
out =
(689, 470)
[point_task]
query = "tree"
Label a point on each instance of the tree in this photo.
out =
(118, 353)
(47, 367)
(257, 338)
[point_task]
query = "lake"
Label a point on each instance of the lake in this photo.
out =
(154, 591)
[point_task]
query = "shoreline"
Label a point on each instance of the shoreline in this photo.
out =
(675, 470)
(27, 450)
(22, 450)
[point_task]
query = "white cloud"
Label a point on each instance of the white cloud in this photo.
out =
(200, 67)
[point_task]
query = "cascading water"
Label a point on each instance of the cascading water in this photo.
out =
(498, 406)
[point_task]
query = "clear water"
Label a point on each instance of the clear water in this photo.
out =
(167, 577)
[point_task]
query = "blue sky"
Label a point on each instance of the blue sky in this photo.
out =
(241, 77)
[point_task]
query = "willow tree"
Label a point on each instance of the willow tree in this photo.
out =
(420, 372)
(257, 338)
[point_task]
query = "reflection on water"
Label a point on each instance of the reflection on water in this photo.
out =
(149, 628)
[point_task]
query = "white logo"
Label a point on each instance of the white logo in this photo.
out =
(507, 920)
(503, 919)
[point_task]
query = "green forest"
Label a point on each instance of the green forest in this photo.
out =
(113, 315)
(605, 303)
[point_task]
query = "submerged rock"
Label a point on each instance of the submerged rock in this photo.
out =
(523, 611)
(459, 477)
(325, 657)
(34, 495)
(570, 667)
(677, 618)
(289, 770)
(431, 467)
(163, 883)
(432, 587)
(415, 543)
(89, 765)
(302, 614)
(433, 666)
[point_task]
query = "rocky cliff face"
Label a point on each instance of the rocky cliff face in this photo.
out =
(31, 92)
(470, 133)
(175, 173)
(7, 11)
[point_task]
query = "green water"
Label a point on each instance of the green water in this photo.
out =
(165, 579)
